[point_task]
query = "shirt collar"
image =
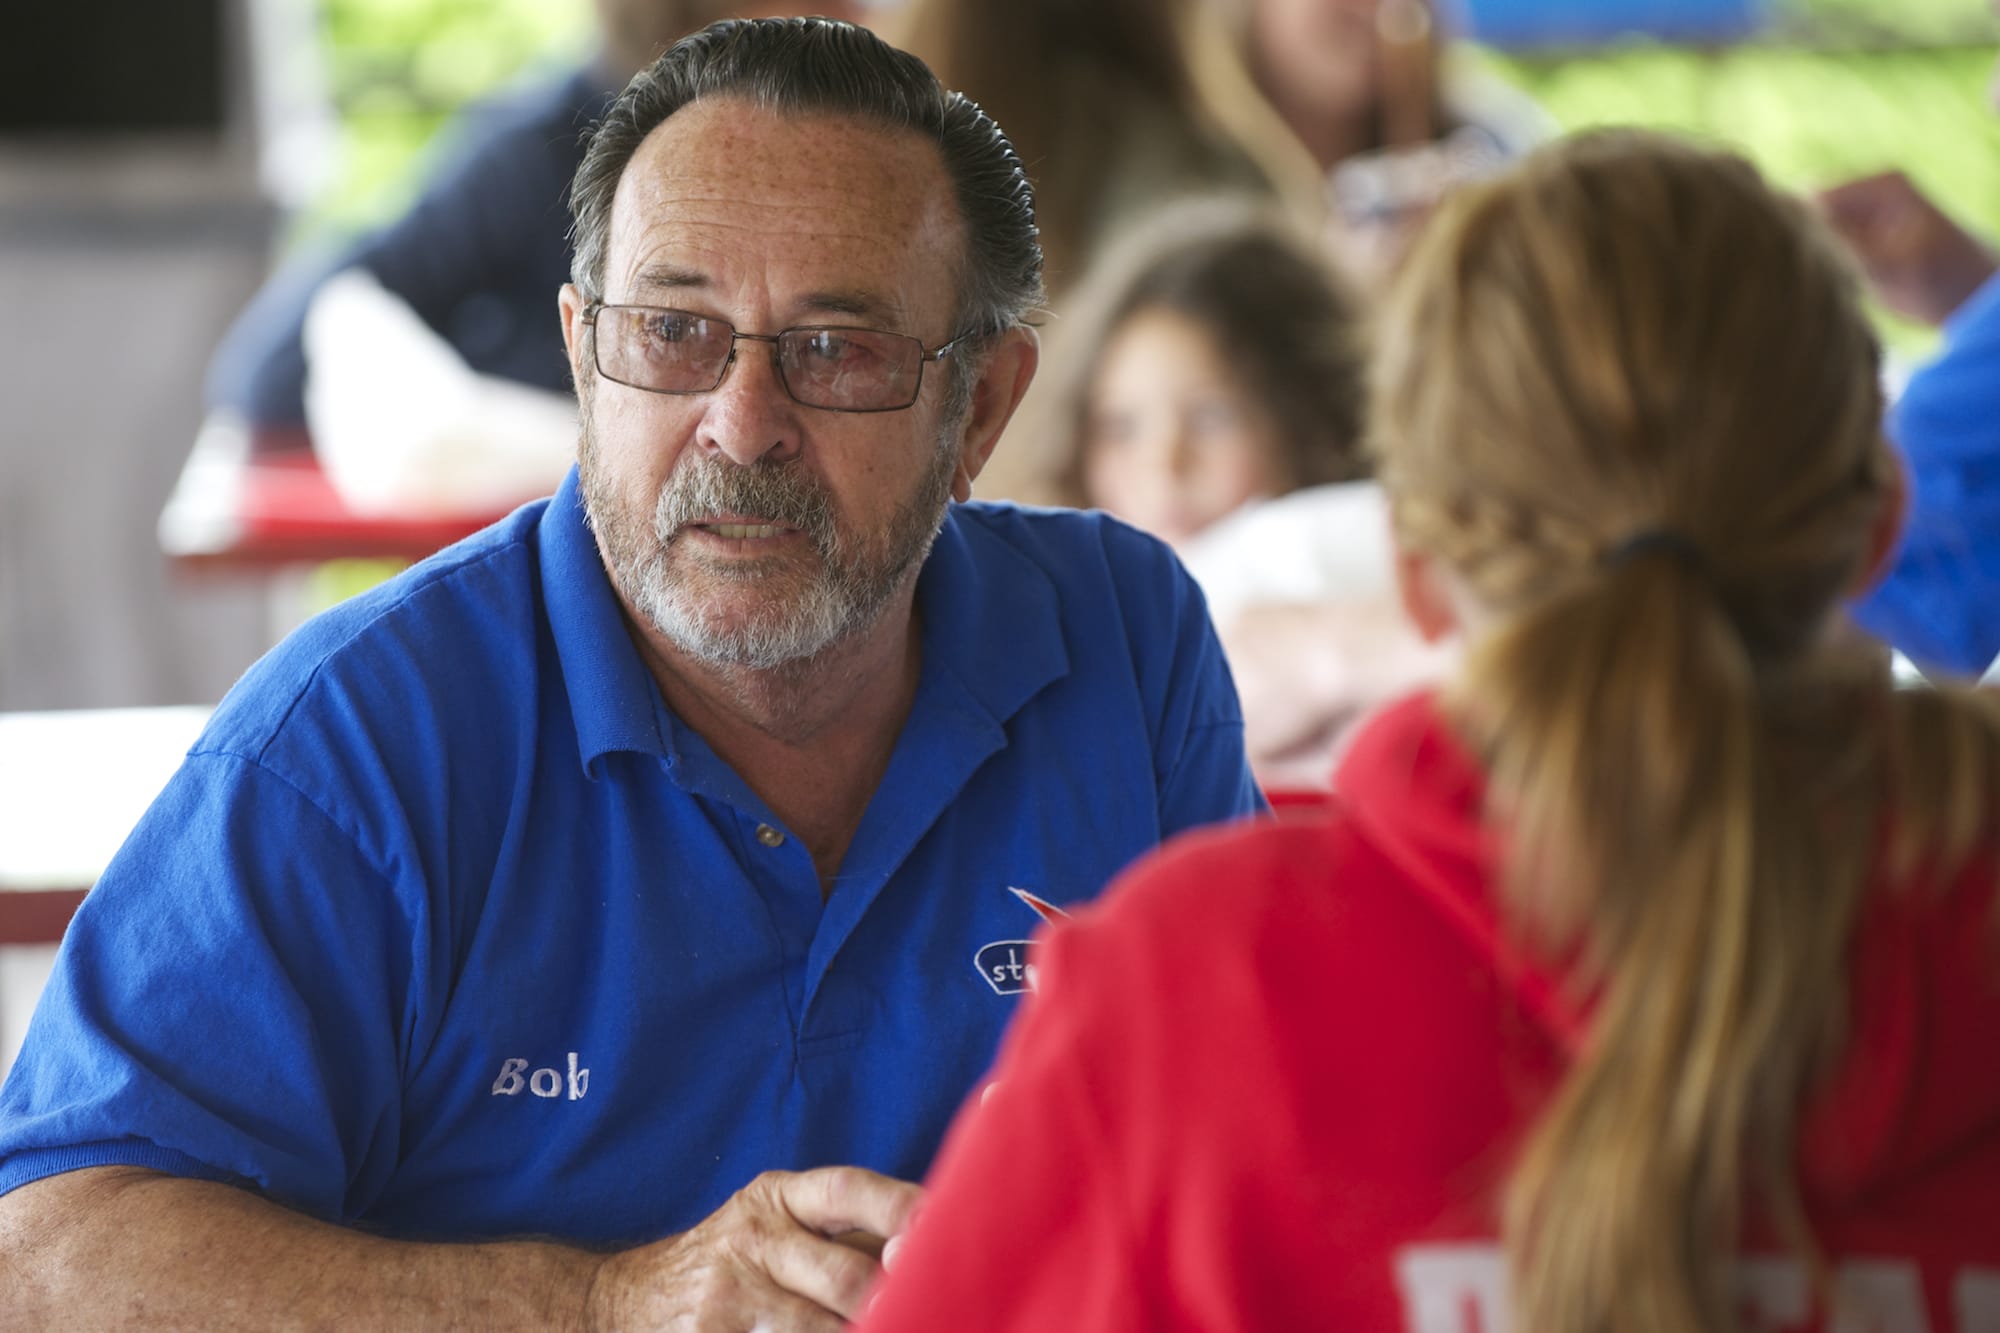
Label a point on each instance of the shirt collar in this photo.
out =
(991, 616)
(611, 694)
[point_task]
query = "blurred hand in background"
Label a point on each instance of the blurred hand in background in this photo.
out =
(1919, 262)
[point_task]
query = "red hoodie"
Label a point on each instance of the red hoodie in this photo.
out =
(1271, 1082)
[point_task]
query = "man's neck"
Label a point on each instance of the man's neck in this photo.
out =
(811, 737)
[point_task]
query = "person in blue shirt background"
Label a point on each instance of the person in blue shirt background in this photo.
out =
(652, 872)
(471, 262)
(1939, 603)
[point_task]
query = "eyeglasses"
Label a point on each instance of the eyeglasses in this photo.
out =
(839, 369)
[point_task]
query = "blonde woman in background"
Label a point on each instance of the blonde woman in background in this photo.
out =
(1116, 107)
(1642, 979)
(1380, 106)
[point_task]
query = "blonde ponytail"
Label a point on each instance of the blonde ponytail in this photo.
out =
(1692, 761)
(1627, 734)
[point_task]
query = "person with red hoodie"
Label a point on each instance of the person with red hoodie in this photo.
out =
(1643, 977)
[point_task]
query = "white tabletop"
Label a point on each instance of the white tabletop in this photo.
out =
(73, 783)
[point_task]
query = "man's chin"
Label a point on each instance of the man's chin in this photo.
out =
(748, 622)
(749, 647)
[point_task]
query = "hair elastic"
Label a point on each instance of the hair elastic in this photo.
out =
(1677, 546)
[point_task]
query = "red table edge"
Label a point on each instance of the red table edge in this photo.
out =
(37, 916)
(233, 507)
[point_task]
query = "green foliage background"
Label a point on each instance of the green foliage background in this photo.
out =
(1832, 89)
(398, 69)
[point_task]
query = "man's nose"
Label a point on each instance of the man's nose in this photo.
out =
(749, 414)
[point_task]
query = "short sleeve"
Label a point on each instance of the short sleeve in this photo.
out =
(1204, 769)
(228, 1004)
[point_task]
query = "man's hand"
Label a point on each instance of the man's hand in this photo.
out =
(789, 1253)
(1920, 263)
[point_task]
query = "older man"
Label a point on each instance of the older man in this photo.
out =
(684, 828)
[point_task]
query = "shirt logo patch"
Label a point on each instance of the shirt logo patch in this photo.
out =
(1004, 964)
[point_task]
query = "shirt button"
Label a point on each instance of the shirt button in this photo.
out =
(769, 836)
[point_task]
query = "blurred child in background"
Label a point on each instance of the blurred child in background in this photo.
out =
(1211, 367)
(1214, 362)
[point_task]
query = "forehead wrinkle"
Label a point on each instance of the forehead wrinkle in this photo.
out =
(664, 277)
(838, 197)
(857, 304)
(884, 308)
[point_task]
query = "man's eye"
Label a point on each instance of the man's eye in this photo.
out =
(839, 349)
(671, 327)
(831, 348)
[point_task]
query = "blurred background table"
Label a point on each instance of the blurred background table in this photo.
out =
(245, 509)
(72, 785)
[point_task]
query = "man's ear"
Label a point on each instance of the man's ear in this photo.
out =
(1425, 590)
(1885, 535)
(570, 302)
(1003, 381)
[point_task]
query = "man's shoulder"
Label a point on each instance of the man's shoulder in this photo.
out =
(446, 632)
(1069, 544)
(1113, 603)
(1101, 578)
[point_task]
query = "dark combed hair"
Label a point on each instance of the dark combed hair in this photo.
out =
(811, 65)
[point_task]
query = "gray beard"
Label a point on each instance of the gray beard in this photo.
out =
(852, 588)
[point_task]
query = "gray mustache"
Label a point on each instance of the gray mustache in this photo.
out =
(779, 493)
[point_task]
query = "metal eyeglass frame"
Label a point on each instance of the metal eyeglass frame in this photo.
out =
(927, 355)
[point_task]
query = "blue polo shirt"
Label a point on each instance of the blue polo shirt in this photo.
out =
(449, 926)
